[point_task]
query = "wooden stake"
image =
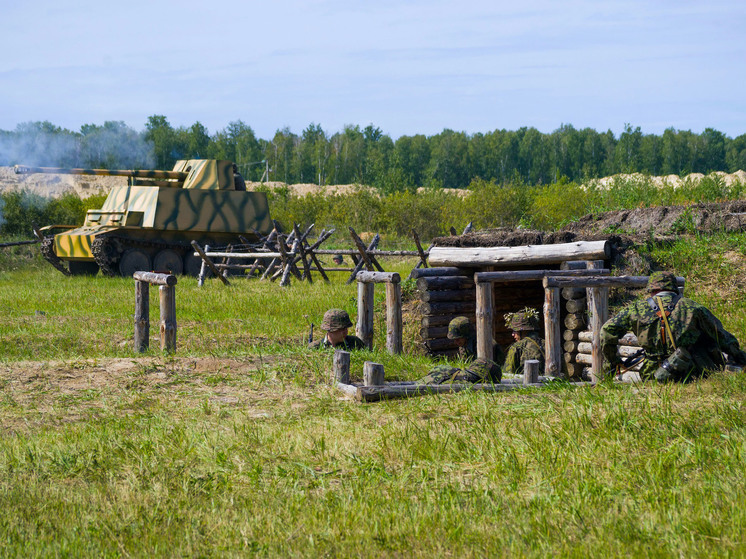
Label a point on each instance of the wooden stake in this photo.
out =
(423, 258)
(364, 329)
(168, 317)
(373, 374)
(209, 263)
(530, 372)
(341, 366)
(393, 318)
(142, 316)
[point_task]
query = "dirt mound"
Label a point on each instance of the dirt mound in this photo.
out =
(303, 189)
(662, 223)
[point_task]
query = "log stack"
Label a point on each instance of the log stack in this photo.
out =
(449, 292)
(445, 293)
(628, 345)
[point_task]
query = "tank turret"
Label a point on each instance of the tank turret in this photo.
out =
(149, 223)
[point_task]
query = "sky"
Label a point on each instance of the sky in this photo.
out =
(407, 67)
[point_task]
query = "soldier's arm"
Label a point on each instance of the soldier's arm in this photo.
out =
(614, 328)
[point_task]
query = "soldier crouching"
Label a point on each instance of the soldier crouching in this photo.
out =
(681, 338)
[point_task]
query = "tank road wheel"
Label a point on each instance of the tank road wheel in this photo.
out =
(83, 268)
(168, 260)
(134, 260)
(192, 264)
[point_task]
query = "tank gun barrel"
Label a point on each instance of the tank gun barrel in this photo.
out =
(141, 174)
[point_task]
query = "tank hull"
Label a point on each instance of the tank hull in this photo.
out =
(152, 219)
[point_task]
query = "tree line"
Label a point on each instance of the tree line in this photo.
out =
(367, 156)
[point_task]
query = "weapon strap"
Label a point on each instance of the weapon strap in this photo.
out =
(663, 313)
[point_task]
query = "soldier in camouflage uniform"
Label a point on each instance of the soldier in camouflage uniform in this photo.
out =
(528, 344)
(479, 371)
(336, 323)
(692, 343)
(464, 334)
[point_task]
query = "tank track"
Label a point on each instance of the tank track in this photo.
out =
(108, 249)
(47, 251)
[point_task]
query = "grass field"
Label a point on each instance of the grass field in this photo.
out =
(237, 445)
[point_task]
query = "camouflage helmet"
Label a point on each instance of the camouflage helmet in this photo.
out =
(335, 319)
(662, 281)
(460, 327)
(484, 370)
(523, 320)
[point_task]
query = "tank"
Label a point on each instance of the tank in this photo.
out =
(150, 223)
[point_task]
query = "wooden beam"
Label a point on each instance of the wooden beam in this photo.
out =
(522, 255)
(632, 282)
(528, 275)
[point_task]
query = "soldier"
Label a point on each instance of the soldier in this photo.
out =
(682, 339)
(461, 331)
(528, 344)
(336, 323)
(480, 370)
(238, 182)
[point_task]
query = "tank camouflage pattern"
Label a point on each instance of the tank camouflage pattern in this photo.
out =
(150, 223)
(335, 319)
(460, 327)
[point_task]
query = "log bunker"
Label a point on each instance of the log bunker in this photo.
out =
(484, 283)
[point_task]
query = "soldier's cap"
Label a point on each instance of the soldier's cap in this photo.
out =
(523, 320)
(486, 369)
(335, 319)
(662, 281)
(460, 327)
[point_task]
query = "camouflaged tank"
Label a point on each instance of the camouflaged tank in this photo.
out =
(150, 223)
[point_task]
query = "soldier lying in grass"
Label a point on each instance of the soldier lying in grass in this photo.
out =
(336, 323)
(682, 339)
(479, 371)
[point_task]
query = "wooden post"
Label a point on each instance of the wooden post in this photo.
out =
(168, 317)
(530, 371)
(142, 316)
(393, 318)
(598, 309)
(341, 366)
(484, 320)
(552, 333)
(203, 270)
(364, 329)
(373, 374)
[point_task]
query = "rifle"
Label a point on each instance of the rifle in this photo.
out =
(310, 334)
(631, 361)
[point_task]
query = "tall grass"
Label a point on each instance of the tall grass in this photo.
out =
(237, 445)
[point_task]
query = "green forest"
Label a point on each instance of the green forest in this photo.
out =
(368, 156)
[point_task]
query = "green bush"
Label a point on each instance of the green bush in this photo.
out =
(554, 205)
(19, 210)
